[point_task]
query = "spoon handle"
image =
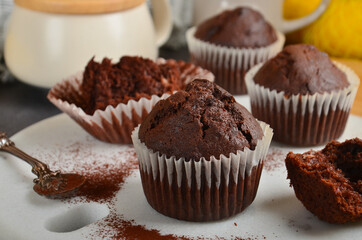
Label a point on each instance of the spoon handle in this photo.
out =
(38, 168)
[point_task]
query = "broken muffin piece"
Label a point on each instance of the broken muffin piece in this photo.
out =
(329, 182)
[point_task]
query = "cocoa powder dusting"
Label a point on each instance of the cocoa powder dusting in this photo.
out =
(274, 159)
(115, 227)
(102, 185)
(105, 176)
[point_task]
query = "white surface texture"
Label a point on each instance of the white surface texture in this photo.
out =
(275, 214)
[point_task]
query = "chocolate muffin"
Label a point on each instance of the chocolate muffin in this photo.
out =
(329, 182)
(207, 119)
(195, 153)
(241, 27)
(107, 84)
(109, 100)
(304, 96)
(301, 69)
(230, 43)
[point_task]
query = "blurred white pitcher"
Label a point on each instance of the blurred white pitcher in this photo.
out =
(48, 40)
(271, 9)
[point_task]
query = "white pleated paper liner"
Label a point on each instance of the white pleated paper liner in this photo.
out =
(201, 190)
(229, 64)
(303, 120)
(114, 124)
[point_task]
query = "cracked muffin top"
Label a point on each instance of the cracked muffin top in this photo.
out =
(241, 27)
(204, 120)
(301, 69)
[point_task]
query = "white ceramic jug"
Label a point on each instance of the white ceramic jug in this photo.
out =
(271, 9)
(48, 40)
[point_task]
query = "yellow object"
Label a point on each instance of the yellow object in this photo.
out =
(297, 8)
(338, 31)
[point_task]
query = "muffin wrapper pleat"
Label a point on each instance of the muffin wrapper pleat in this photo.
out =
(229, 64)
(114, 124)
(201, 190)
(303, 120)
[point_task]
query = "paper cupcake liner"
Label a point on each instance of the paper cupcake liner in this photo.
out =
(114, 124)
(201, 190)
(303, 120)
(228, 64)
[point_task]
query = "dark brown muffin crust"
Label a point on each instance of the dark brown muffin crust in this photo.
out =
(202, 121)
(241, 27)
(107, 84)
(301, 69)
(329, 182)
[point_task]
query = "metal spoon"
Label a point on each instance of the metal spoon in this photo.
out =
(49, 184)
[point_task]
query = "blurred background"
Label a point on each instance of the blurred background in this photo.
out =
(336, 29)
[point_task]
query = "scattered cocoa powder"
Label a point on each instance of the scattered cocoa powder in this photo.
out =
(105, 174)
(274, 159)
(115, 227)
(239, 238)
(102, 184)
